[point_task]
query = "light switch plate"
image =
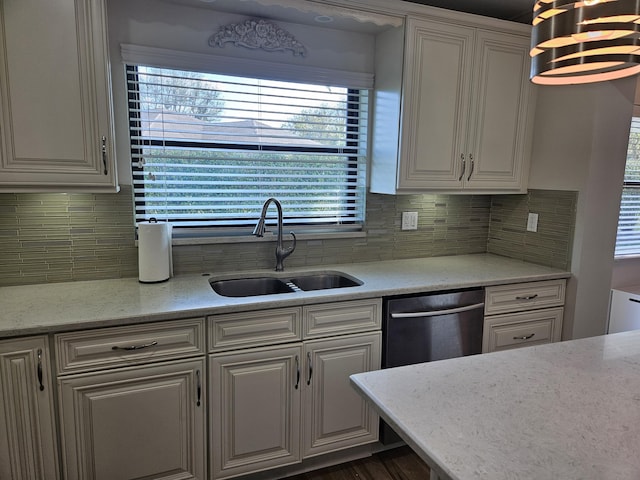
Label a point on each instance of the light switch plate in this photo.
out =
(409, 220)
(532, 222)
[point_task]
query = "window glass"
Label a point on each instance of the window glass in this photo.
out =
(208, 150)
(628, 236)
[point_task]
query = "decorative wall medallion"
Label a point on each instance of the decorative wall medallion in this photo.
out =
(257, 34)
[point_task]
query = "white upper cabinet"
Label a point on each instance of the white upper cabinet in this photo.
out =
(56, 127)
(464, 110)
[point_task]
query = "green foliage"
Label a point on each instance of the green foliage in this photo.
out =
(203, 180)
(633, 157)
(325, 123)
(189, 94)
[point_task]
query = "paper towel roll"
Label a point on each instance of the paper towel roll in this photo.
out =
(155, 260)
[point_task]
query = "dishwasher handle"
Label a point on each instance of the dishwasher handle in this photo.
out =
(435, 313)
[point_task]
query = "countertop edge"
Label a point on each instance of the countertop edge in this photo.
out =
(542, 410)
(42, 309)
(421, 450)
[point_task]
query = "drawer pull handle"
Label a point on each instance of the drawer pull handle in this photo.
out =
(524, 337)
(527, 297)
(435, 313)
(104, 155)
(464, 167)
(40, 370)
(297, 372)
(199, 387)
(135, 347)
(634, 300)
(310, 368)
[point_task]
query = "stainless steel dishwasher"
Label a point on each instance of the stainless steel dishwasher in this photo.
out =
(430, 327)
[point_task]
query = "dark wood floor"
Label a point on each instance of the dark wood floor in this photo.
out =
(397, 464)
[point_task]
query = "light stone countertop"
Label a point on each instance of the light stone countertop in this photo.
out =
(47, 308)
(568, 410)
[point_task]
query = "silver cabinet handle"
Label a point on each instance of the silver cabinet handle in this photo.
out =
(135, 347)
(472, 165)
(464, 167)
(310, 368)
(199, 387)
(104, 155)
(39, 370)
(297, 373)
(524, 337)
(435, 313)
(527, 297)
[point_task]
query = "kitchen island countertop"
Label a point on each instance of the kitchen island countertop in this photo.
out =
(568, 410)
(54, 307)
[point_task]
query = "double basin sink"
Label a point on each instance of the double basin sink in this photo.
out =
(269, 285)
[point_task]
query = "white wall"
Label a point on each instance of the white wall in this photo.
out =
(626, 272)
(580, 142)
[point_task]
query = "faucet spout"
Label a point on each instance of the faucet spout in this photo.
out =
(282, 252)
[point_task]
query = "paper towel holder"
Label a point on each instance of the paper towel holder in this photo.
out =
(155, 256)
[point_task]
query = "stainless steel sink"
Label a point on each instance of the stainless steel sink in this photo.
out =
(247, 287)
(279, 283)
(321, 281)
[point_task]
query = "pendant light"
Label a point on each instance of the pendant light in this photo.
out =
(584, 41)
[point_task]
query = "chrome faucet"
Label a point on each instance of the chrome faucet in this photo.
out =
(281, 251)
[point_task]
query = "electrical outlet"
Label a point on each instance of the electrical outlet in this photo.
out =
(532, 222)
(409, 220)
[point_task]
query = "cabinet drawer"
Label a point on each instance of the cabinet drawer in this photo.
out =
(342, 317)
(524, 296)
(502, 332)
(251, 329)
(134, 344)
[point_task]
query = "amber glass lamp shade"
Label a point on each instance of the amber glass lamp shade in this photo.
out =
(584, 41)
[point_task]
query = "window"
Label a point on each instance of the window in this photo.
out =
(628, 238)
(208, 150)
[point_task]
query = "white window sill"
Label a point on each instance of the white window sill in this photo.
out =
(269, 237)
(630, 257)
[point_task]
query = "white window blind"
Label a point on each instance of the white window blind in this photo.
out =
(628, 237)
(208, 150)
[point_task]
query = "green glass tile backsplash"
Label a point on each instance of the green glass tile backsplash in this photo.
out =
(65, 237)
(54, 237)
(551, 244)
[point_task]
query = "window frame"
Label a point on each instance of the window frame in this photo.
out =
(633, 185)
(352, 149)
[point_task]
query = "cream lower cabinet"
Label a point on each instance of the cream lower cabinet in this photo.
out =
(274, 406)
(28, 446)
(255, 410)
(138, 410)
(334, 415)
(141, 422)
(56, 121)
(523, 314)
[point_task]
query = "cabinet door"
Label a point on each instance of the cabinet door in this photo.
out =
(437, 88)
(55, 97)
(255, 410)
(501, 113)
(27, 428)
(334, 415)
(132, 423)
